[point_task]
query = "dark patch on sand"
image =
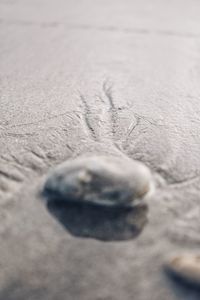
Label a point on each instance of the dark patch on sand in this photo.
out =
(103, 223)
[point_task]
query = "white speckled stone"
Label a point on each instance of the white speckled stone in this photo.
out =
(101, 180)
(186, 267)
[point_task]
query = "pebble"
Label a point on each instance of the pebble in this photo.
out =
(99, 180)
(185, 267)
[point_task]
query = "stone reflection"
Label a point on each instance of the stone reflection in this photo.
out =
(99, 222)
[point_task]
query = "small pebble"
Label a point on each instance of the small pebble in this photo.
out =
(99, 180)
(185, 267)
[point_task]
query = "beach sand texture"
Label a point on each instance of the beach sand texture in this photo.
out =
(97, 77)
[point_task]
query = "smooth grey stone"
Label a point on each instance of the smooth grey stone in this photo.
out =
(100, 180)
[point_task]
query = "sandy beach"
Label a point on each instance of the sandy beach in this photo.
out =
(96, 77)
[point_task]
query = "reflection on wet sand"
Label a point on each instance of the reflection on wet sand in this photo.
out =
(103, 223)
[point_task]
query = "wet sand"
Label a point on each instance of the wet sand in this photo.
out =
(87, 78)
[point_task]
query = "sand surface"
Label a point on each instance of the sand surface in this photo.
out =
(97, 77)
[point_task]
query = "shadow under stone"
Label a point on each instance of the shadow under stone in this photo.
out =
(182, 288)
(99, 222)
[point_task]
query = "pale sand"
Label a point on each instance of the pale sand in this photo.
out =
(99, 77)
